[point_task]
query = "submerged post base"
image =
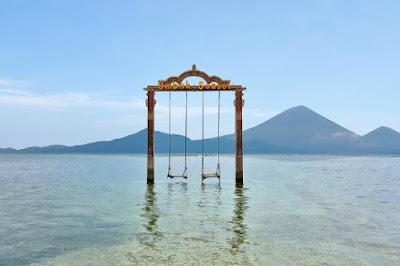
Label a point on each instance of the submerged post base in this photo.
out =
(150, 176)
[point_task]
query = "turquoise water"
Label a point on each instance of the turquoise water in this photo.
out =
(292, 210)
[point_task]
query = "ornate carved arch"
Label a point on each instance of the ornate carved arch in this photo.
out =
(194, 73)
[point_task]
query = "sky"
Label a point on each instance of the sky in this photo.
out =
(73, 72)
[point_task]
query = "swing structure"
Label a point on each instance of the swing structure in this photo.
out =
(211, 83)
(218, 170)
(184, 174)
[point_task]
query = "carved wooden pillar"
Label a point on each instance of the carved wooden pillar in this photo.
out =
(150, 103)
(239, 143)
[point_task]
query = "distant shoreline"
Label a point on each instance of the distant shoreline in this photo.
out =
(209, 155)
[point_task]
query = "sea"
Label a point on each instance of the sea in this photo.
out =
(291, 210)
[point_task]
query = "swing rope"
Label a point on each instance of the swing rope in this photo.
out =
(184, 175)
(217, 173)
(219, 116)
(169, 136)
(202, 136)
(186, 118)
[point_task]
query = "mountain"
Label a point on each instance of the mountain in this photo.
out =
(43, 149)
(303, 130)
(137, 144)
(296, 130)
(382, 139)
(7, 150)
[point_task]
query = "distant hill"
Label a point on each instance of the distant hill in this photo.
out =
(43, 149)
(303, 130)
(137, 144)
(296, 130)
(7, 150)
(382, 140)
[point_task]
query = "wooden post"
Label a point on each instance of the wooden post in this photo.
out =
(150, 136)
(239, 142)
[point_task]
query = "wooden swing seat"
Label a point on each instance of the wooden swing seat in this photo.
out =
(182, 176)
(204, 176)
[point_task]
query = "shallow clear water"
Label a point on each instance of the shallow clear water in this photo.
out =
(98, 210)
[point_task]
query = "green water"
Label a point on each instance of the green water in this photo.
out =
(292, 210)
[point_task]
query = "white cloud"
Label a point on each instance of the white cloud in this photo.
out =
(13, 83)
(127, 120)
(343, 134)
(14, 91)
(5, 82)
(11, 94)
(129, 112)
(259, 113)
(63, 100)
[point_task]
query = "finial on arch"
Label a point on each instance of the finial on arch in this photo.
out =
(194, 73)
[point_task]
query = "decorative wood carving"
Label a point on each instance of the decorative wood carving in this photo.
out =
(194, 73)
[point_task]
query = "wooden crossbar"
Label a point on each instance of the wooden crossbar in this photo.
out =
(193, 88)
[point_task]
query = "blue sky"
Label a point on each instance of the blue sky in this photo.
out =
(72, 72)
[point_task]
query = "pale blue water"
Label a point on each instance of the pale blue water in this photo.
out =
(98, 210)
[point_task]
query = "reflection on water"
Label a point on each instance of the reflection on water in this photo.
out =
(182, 189)
(239, 227)
(77, 210)
(209, 204)
(151, 214)
(214, 190)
